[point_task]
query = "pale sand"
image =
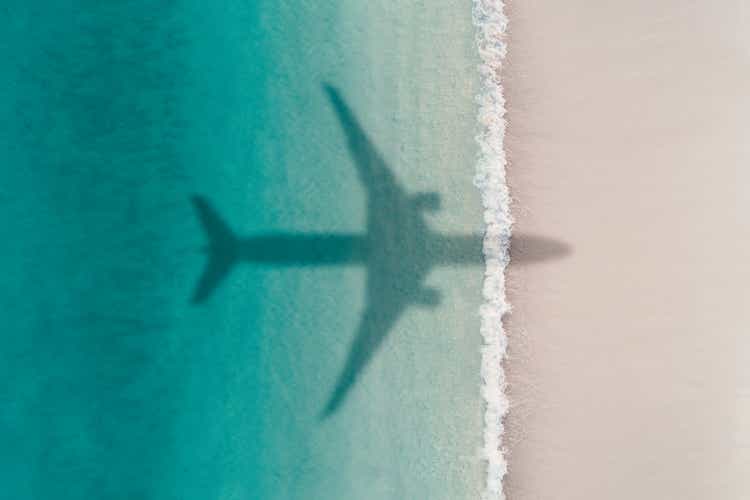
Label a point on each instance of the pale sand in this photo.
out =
(628, 140)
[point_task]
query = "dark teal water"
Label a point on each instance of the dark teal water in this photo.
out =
(115, 113)
(113, 384)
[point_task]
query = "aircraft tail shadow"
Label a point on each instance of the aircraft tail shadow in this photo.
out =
(223, 248)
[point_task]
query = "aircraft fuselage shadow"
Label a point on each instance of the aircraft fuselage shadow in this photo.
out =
(398, 250)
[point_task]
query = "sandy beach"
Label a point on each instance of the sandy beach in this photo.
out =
(627, 142)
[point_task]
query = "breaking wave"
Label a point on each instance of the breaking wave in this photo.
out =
(491, 25)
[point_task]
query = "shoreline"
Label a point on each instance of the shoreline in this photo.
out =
(491, 24)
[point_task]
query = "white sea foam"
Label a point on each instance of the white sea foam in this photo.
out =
(491, 24)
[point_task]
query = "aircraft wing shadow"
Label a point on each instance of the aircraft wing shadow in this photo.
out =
(393, 275)
(374, 326)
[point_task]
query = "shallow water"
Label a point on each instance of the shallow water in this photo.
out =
(115, 384)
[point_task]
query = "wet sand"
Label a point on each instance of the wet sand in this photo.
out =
(628, 141)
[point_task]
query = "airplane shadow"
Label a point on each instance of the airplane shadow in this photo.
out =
(398, 250)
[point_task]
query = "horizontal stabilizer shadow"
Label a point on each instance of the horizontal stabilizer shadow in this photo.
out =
(221, 249)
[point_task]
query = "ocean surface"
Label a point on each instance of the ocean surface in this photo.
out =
(133, 132)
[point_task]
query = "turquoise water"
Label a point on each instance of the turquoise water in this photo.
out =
(114, 384)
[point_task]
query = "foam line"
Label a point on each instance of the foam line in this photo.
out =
(491, 25)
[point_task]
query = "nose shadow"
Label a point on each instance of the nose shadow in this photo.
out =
(530, 249)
